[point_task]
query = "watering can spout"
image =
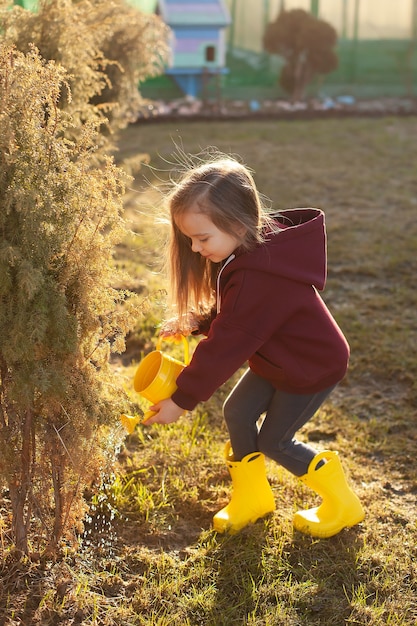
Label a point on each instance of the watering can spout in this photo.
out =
(130, 422)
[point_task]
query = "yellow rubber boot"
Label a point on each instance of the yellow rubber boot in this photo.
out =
(340, 508)
(252, 496)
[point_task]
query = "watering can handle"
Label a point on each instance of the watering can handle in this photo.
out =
(185, 346)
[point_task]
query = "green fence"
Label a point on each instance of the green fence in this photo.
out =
(367, 69)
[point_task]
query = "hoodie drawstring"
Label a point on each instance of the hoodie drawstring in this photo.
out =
(228, 260)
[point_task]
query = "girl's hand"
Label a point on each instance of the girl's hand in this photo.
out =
(167, 412)
(174, 329)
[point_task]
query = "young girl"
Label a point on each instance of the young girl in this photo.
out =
(251, 281)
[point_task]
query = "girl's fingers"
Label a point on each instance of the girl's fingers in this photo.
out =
(172, 337)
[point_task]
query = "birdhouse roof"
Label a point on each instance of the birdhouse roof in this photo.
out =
(192, 13)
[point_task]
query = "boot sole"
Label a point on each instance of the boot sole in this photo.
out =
(307, 530)
(232, 530)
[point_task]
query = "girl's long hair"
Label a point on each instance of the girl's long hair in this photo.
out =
(224, 190)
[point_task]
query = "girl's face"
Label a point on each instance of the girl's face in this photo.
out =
(206, 239)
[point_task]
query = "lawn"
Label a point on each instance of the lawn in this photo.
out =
(148, 556)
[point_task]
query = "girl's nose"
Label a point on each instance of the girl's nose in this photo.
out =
(196, 246)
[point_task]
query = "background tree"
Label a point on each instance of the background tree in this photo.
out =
(61, 202)
(307, 45)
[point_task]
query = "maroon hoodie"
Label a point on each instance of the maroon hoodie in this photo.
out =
(269, 313)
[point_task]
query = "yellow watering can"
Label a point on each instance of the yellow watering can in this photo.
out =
(155, 380)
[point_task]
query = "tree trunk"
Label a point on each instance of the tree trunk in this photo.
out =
(20, 486)
(57, 471)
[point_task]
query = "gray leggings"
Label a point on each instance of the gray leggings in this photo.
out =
(285, 414)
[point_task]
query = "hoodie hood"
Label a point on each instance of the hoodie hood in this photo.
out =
(296, 251)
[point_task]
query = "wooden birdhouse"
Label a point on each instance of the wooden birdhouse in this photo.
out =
(198, 42)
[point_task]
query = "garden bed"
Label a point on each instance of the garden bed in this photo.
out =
(342, 106)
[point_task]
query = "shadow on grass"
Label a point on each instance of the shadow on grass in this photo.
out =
(265, 578)
(329, 570)
(240, 573)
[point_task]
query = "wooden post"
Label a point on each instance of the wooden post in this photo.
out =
(344, 19)
(314, 7)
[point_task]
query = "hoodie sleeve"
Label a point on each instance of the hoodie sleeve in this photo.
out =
(247, 318)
